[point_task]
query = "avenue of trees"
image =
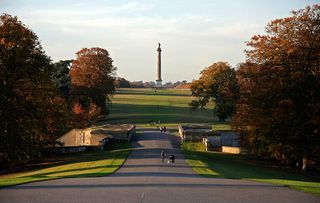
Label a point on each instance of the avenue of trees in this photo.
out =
(277, 109)
(40, 100)
(273, 98)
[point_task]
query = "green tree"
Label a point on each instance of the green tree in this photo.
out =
(92, 84)
(61, 77)
(217, 83)
(32, 113)
(121, 83)
(279, 106)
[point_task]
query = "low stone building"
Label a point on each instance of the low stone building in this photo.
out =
(122, 132)
(223, 140)
(212, 143)
(226, 141)
(94, 138)
(195, 132)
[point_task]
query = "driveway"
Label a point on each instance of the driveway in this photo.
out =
(144, 178)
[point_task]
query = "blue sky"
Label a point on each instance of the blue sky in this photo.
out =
(194, 34)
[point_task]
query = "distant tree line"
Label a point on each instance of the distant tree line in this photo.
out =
(41, 100)
(273, 98)
(123, 83)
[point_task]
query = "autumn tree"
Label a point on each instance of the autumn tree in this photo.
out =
(279, 106)
(92, 84)
(32, 113)
(218, 84)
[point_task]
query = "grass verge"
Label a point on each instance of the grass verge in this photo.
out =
(221, 165)
(84, 164)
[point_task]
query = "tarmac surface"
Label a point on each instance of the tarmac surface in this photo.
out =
(145, 178)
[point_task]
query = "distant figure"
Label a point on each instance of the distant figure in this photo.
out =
(171, 158)
(161, 129)
(163, 154)
(164, 129)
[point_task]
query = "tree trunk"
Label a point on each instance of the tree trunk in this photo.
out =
(305, 153)
(304, 163)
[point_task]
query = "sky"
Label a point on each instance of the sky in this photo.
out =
(193, 33)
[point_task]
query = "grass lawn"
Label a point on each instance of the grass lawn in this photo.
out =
(170, 106)
(84, 164)
(221, 165)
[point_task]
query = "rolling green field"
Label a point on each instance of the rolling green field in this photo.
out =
(84, 164)
(139, 106)
(236, 166)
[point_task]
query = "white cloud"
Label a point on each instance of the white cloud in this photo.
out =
(83, 10)
(190, 42)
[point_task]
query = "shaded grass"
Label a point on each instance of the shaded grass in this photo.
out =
(221, 165)
(137, 113)
(149, 91)
(139, 106)
(84, 164)
(155, 100)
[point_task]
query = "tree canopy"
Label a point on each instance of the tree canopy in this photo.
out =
(92, 83)
(217, 83)
(61, 77)
(121, 83)
(32, 112)
(279, 107)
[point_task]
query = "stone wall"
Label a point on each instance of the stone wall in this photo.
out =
(195, 133)
(66, 150)
(233, 150)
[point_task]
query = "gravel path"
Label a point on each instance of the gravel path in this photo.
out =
(144, 178)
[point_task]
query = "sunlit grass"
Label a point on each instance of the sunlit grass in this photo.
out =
(85, 164)
(220, 165)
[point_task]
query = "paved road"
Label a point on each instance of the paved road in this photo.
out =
(144, 178)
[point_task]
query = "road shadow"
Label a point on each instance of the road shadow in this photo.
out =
(156, 185)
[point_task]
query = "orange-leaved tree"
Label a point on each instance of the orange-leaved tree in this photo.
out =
(92, 84)
(32, 112)
(279, 107)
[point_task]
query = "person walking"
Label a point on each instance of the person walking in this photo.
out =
(162, 154)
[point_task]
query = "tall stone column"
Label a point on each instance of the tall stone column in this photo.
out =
(159, 80)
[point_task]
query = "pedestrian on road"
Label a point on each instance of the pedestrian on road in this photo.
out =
(163, 154)
(164, 129)
(172, 158)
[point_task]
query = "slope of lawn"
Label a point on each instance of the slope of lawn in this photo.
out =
(139, 106)
(221, 165)
(84, 164)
